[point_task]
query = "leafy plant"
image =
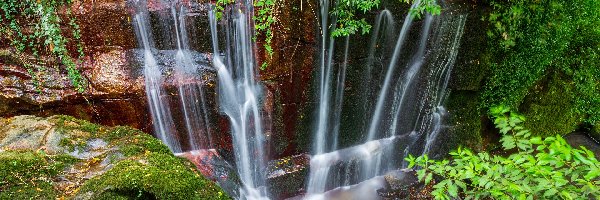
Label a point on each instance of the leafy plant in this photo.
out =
(34, 26)
(220, 7)
(538, 168)
(348, 23)
(263, 21)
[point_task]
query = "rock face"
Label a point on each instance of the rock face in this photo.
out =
(115, 94)
(62, 157)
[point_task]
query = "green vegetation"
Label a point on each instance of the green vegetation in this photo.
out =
(264, 18)
(348, 22)
(537, 168)
(29, 175)
(546, 39)
(35, 26)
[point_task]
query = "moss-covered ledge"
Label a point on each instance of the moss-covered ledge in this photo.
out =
(63, 157)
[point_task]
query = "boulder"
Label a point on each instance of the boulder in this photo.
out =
(63, 157)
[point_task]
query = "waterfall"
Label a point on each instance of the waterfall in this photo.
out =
(384, 22)
(239, 95)
(191, 94)
(322, 144)
(449, 42)
(409, 105)
(164, 127)
(187, 78)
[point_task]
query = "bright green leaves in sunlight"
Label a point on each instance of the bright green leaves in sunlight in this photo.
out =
(539, 167)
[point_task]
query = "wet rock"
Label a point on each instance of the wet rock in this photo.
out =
(404, 184)
(24, 132)
(286, 176)
(214, 167)
(578, 139)
(400, 179)
(114, 96)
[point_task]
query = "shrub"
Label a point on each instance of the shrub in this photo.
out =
(537, 168)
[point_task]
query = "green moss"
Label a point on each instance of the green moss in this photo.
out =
(531, 38)
(29, 175)
(465, 120)
(152, 176)
(148, 169)
(474, 58)
(550, 108)
(131, 141)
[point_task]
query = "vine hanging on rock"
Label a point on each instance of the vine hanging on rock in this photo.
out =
(34, 26)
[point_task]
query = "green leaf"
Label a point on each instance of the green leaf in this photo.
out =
(453, 190)
(428, 178)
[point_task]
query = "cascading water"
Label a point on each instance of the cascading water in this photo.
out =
(191, 94)
(239, 95)
(449, 42)
(400, 96)
(318, 173)
(396, 124)
(159, 106)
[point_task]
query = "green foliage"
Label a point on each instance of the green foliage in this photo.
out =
(28, 175)
(348, 22)
(539, 167)
(220, 7)
(152, 175)
(35, 26)
(264, 19)
(533, 38)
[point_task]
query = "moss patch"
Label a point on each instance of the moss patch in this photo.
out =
(595, 131)
(29, 175)
(465, 120)
(127, 164)
(152, 176)
(550, 108)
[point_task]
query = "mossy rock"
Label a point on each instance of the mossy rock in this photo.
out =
(29, 175)
(107, 162)
(550, 107)
(473, 62)
(465, 120)
(151, 176)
